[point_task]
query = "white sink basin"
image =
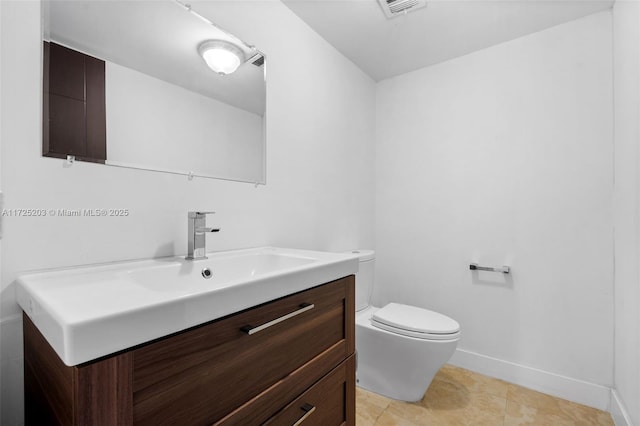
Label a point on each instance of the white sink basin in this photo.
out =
(92, 311)
(225, 271)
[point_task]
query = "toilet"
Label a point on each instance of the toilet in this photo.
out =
(399, 347)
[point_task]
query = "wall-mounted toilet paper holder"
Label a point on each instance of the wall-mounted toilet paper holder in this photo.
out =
(503, 269)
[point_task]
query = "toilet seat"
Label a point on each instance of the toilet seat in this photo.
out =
(415, 322)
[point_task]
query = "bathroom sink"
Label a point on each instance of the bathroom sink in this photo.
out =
(223, 271)
(92, 311)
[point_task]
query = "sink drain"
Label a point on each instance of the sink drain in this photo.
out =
(206, 272)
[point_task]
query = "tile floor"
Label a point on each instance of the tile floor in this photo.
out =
(461, 397)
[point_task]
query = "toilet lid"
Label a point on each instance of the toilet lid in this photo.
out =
(416, 321)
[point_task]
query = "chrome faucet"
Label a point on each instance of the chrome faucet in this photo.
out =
(197, 243)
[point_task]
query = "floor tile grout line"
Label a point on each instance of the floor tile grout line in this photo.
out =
(380, 415)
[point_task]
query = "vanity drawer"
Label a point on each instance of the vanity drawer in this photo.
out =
(330, 402)
(201, 375)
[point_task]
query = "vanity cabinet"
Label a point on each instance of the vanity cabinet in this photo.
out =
(276, 363)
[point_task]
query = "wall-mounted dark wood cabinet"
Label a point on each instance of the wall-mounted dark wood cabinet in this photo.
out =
(74, 109)
(300, 368)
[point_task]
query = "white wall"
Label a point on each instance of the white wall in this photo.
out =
(173, 128)
(504, 157)
(320, 115)
(626, 37)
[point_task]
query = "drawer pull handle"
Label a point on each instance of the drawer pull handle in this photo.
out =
(304, 307)
(308, 410)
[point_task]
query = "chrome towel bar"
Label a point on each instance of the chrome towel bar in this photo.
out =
(503, 269)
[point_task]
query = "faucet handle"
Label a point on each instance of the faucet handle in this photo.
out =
(194, 215)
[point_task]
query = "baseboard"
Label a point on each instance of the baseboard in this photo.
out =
(579, 391)
(619, 411)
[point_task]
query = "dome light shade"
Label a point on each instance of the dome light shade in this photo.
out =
(221, 56)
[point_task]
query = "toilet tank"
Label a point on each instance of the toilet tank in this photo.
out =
(364, 278)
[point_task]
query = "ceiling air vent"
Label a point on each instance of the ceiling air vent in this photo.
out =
(393, 8)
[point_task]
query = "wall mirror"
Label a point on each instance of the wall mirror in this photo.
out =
(127, 83)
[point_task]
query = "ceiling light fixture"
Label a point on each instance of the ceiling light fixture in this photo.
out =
(221, 56)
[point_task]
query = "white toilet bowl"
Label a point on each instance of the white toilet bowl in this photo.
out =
(400, 347)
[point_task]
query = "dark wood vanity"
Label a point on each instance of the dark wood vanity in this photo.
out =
(236, 370)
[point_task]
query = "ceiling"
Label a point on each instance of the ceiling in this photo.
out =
(445, 29)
